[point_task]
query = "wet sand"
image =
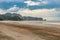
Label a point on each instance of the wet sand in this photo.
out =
(15, 30)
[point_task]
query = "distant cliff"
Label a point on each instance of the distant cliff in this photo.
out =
(32, 18)
(18, 17)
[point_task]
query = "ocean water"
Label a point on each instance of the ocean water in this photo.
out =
(40, 22)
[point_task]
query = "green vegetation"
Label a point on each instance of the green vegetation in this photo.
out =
(9, 16)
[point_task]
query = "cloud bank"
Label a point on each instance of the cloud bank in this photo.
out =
(31, 3)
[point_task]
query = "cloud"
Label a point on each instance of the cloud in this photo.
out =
(49, 14)
(42, 4)
(13, 9)
(2, 11)
(31, 3)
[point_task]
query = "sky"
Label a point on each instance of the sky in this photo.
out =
(47, 9)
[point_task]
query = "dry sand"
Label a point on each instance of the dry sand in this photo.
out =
(10, 30)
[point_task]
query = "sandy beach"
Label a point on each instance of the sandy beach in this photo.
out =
(24, 30)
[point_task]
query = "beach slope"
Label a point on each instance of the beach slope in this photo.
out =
(15, 30)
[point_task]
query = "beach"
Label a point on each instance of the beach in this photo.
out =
(29, 30)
